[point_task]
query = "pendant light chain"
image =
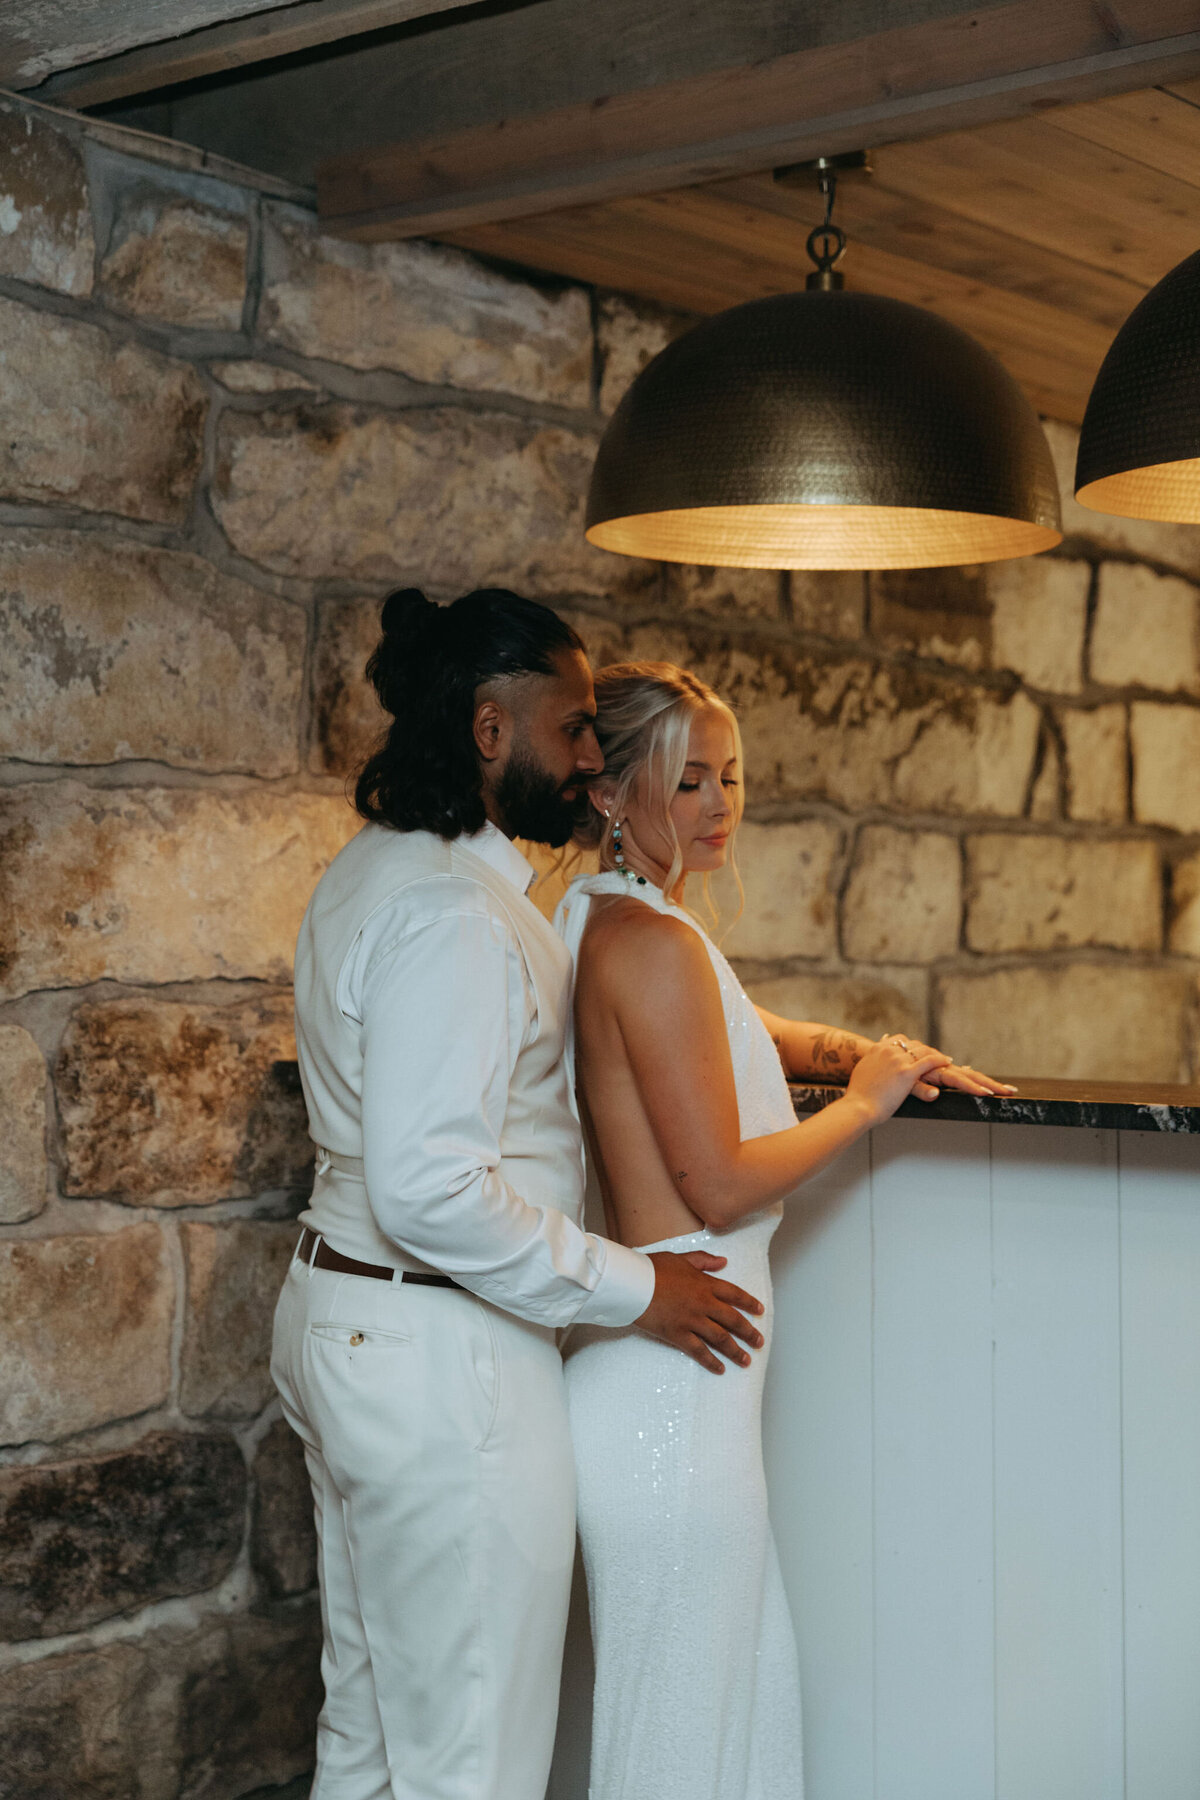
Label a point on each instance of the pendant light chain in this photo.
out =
(826, 242)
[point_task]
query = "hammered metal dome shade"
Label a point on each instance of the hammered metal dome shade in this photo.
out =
(1139, 447)
(824, 430)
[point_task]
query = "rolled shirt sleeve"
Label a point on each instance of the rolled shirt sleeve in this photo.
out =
(444, 1011)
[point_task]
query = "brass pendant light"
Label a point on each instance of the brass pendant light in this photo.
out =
(824, 430)
(1139, 446)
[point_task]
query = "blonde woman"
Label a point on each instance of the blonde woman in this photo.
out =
(683, 1089)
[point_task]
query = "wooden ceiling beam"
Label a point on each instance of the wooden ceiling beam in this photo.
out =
(952, 71)
(232, 44)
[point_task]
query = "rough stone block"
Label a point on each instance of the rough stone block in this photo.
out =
(172, 258)
(1086, 1021)
(1097, 757)
(45, 219)
(165, 1104)
(1183, 935)
(870, 1001)
(87, 1331)
(249, 1704)
(1039, 618)
(857, 733)
(157, 884)
(226, 1709)
(748, 593)
(629, 334)
(140, 454)
(111, 650)
(99, 1535)
(234, 1274)
(22, 1126)
(1165, 742)
(1147, 630)
(903, 902)
(445, 497)
(941, 613)
(1176, 545)
(791, 901)
(1054, 893)
(283, 1538)
(348, 720)
(425, 310)
(862, 735)
(86, 1726)
(828, 602)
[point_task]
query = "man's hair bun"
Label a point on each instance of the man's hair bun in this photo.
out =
(426, 669)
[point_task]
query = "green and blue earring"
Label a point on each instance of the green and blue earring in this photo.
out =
(619, 858)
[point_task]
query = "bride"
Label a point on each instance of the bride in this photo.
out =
(683, 1091)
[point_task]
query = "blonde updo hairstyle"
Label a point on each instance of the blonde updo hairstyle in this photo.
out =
(644, 714)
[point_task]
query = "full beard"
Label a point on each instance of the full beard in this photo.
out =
(532, 805)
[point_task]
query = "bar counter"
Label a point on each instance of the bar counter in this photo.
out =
(1096, 1105)
(982, 1447)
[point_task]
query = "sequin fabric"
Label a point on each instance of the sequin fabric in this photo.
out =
(697, 1692)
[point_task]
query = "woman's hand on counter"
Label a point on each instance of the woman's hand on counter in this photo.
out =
(890, 1071)
(951, 1074)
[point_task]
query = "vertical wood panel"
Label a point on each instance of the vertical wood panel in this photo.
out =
(817, 1436)
(1160, 1239)
(1059, 1676)
(934, 1718)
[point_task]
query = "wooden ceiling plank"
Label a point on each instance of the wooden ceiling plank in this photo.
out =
(1030, 179)
(894, 84)
(924, 232)
(1184, 90)
(613, 252)
(775, 260)
(216, 49)
(1152, 127)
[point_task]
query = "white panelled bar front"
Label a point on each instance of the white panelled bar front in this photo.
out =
(982, 1439)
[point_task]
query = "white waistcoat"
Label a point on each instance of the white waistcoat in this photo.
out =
(541, 1150)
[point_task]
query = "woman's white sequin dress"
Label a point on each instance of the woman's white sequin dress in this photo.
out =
(697, 1685)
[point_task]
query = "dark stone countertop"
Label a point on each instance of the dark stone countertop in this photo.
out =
(1112, 1105)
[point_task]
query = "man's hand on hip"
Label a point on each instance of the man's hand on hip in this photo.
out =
(695, 1314)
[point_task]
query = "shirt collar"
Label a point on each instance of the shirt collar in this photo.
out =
(500, 853)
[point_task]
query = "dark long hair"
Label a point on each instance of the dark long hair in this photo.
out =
(426, 669)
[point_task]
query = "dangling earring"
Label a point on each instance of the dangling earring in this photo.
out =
(619, 857)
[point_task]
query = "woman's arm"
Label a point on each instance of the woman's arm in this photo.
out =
(656, 975)
(818, 1052)
(823, 1053)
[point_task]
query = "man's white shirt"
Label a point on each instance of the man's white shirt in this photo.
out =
(436, 983)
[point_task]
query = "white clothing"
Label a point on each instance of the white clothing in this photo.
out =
(432, 1003)
(441, 1467)
(697, 1692)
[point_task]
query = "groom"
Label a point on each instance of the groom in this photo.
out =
(415, 1347)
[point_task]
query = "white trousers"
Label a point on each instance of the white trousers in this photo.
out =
(435, 1431)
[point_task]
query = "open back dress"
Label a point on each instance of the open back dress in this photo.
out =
(697, 1691)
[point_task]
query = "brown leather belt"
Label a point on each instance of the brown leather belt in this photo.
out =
(327, 1257)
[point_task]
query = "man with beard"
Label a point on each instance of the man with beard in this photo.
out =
(415, 1347)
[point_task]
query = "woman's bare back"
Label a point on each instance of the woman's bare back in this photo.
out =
(641, 1202)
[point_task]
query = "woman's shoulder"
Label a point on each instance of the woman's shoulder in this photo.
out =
(628, 943)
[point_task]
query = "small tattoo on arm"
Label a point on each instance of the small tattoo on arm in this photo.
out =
(833, 1052)
(681, 1174)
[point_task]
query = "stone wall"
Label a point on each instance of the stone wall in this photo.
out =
(972, 810)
